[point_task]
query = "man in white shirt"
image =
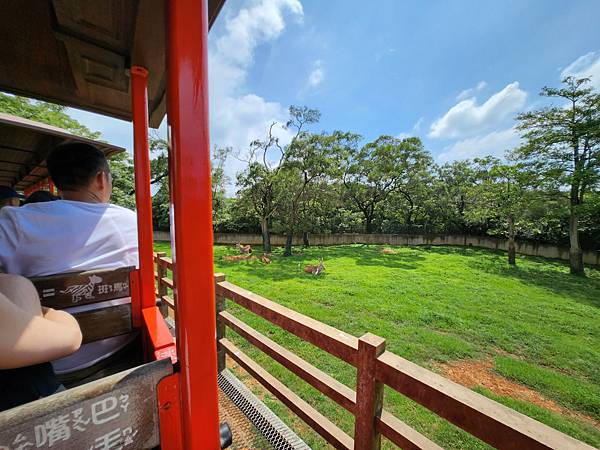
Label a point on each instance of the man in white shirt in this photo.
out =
(80, 232)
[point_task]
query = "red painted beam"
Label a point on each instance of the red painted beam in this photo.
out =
(169, 413)
(187, 108)
(143, 198)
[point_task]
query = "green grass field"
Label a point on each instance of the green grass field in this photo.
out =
(538, 325)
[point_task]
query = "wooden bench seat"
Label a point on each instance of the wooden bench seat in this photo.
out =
(100, 301)
(119, 411)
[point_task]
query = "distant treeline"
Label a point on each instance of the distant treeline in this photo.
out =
(547, 190)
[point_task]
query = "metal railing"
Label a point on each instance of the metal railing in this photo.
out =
(499, 426)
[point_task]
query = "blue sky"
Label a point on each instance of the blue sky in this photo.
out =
(454, 73)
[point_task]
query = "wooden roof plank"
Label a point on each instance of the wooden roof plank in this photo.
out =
(25, 144)
(79, 53)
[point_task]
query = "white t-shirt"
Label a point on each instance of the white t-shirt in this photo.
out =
(65, 236)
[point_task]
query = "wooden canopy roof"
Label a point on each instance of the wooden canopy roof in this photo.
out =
(78, 53)
(24, 145)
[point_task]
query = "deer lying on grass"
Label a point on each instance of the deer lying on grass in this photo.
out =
(244, 249)
(388, 251)
(315, 269)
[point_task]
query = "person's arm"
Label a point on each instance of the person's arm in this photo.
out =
(27, 339)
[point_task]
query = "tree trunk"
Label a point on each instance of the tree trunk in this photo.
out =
(266, 236)
(288, 243)
(368, 224)
(511, 241)
(305, 241)
(575, 253)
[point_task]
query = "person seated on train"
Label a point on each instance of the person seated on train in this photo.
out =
(82, 231)
(30, 336)
(40, 196)
(8, 197)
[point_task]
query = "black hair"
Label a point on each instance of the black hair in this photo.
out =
(40, 197)
(73, 166)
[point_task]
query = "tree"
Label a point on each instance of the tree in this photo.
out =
(504, 192)
(159, 178)
(310, 157)
(121, 167)
(56, 115)
(453, 192)
(380, 168)
(261, 183)
(563, 146)
(405, 210)
(48, 113)
(219, 181)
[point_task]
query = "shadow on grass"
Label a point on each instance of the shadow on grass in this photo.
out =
(549, 274)
(292, 267)
(371, 255)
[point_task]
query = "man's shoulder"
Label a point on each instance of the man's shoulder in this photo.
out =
(122, 210)
(9, 213)
(122, 215)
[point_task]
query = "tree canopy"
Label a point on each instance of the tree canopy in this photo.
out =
(298, 181)
(121, 165)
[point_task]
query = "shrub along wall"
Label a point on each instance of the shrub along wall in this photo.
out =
(523, 247)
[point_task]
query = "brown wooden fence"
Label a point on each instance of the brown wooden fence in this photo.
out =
(486, 419)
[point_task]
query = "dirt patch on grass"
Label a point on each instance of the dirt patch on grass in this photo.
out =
(250, 382)
(471, 373)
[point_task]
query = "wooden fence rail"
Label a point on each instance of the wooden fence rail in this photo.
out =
(163, 282)
(486, 419)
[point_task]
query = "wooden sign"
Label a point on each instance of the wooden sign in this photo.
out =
(80, 288)
(116, 412)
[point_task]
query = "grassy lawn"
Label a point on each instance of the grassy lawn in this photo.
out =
(538, 325)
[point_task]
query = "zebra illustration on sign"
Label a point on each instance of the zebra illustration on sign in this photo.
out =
(79, 291)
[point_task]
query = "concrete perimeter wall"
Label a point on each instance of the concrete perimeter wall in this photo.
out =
(525, 248)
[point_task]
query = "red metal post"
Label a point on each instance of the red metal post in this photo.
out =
(143, 199)
(169, 413)
(187, 103)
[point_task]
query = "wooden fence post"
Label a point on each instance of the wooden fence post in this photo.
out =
(369, 393)
(220, 306)
(161, 271)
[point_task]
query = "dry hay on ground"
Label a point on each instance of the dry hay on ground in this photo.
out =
(472, 373)
(235, 258)
(246, 257)
(388, 251)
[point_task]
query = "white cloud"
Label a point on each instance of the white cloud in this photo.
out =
(380, 54)
(238, 117)
(466, 118)
(587, 65)
(469, 92)
(414, 132)
(317, 75)
(417, 126)
(495, 143)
